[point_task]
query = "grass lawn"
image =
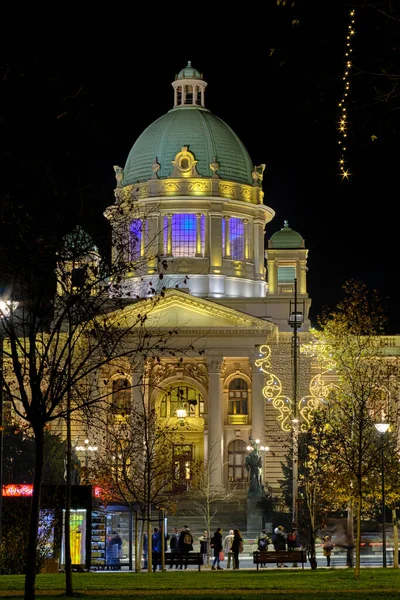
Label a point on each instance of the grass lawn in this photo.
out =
(266, 584)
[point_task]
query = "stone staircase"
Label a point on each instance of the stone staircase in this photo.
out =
(228, 514)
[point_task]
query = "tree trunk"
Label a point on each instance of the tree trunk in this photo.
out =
(67, 529)
(395, 538)
(358, 538)
(30, 576)
(350, 535)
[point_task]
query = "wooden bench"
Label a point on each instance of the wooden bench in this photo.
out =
(177, 559)
(279, 556)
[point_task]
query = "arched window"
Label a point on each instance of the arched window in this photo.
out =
(237, 453)
(238, 397)
(121, 396)
(182, 396)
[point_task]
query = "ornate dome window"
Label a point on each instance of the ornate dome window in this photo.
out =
(185, 234)
(233, 238)
(136, 234)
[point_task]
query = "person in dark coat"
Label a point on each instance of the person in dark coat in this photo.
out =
(237, 540)
(174, 546)
(216, 545)
(156, 548)
(279, 541)
(185, 545)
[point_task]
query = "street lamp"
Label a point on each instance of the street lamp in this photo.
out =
(382, 428)
(87, 449)
(296, 320)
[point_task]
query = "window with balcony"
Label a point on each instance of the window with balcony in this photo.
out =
(238, 397)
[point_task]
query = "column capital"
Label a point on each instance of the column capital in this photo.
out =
(214, 364)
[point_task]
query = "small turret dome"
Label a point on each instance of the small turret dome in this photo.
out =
(286, 238)
(189, 72)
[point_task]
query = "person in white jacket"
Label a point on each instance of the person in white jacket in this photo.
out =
(227, 546)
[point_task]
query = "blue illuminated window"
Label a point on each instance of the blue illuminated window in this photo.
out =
(236, 238)
(184, 234)
(135, 238)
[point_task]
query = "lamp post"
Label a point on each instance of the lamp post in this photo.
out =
(87, 449)
(6, 306)
(382, 428)
(296, 320)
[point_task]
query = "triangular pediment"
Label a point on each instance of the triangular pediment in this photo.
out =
(181, 310)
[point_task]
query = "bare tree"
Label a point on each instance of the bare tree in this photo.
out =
(56, 349)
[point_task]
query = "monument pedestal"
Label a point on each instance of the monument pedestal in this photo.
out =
(254, 516)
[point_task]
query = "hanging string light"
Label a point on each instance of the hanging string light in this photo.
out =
(343, 123)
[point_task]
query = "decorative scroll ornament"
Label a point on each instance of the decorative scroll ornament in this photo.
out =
(319, 391)
(272, 391)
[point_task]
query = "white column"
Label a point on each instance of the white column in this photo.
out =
(215, 430)
(198, 235)
(152, 245)
(246, 239)
(169, 235)
(215, 242)
(227, 238)
(272, 276)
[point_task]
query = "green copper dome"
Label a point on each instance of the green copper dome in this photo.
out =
(206, 136)
(286, 238)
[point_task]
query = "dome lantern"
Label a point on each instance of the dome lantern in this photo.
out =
(189, 87)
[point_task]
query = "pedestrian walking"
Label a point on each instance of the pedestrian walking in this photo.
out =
(227, 548)
(156, 548)
(237, 547)
(174, 547)
(204, 546)
(216, 545)
(327, 548)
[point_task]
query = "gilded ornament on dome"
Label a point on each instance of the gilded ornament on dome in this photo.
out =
(184, 164)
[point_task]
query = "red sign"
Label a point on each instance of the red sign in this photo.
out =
(24, 489)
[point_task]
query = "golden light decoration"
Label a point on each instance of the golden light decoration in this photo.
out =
(272, 391)
(343, 123)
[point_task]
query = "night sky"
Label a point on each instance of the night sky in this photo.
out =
(74, 103)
